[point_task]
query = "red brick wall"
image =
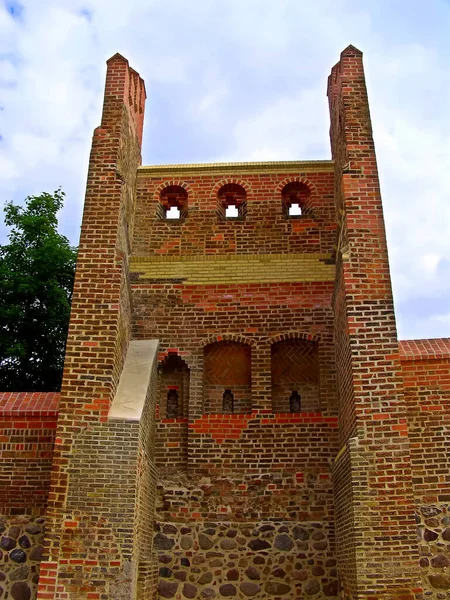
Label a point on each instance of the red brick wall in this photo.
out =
(375, 453)
(265, 228)
(97, 342)
(426, 377)
(27, 433)
(242, 471)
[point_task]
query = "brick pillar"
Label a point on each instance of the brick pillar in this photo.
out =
(87, 555)
(375, 527)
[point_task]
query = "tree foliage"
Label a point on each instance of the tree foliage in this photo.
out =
(36, 278)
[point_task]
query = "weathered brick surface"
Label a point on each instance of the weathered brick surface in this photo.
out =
(426, 378)
(375, 449)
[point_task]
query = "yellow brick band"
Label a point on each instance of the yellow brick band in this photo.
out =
(285, 166)
(252, 268)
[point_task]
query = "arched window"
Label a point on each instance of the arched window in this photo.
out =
(173, 383)
(295, 376)
(232, 202)
(173, 203)
(294, 198)
(227, 378)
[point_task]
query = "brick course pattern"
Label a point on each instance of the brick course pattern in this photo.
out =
(288, 445)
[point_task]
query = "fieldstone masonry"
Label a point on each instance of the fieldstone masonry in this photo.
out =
(237, 417)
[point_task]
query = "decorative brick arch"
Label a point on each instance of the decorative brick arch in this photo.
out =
(162, 186)
(292, 335)
(294, 179)
(227, 337)
(307, 205)
(227, 180)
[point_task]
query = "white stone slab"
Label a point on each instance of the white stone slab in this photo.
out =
(134, 381)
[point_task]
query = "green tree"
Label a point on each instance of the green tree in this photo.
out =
(37, 269)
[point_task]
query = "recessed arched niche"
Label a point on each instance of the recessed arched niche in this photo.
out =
(173, 387)
(173, 205)
(232, 202)
(295, 376)
(227, 378)
(294, 197)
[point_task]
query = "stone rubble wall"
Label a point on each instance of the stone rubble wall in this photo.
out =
(264, 559)
(21, 547)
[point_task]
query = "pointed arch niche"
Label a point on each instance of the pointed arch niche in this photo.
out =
(173, 387)
(295, 376)
(227, 378)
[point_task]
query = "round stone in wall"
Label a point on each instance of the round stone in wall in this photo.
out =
(21, 591)
(228, 544)
(189, 590)
(227, 589)
(205, 578)
(446, 534)
(165, 572)
(252, 573)
(24, 541)
(186, 542)
(33, 528)
(18, 556)
(167, 589)
(300, 533)
(322, 545)
(36, 553)
(258, 544)
(20, 573)
(208, 593)
(162, 542)
(169, 528)
(429, 535)
(14, 532)
(283, 542)
(430, 511)
(275, 588)
(440, 581)
(249, 589)
(312, 587)
(440, 561)
(7, 543)
(205, 542)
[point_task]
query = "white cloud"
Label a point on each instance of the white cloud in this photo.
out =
(242, 80)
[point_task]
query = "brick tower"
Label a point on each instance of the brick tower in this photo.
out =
(237, 417)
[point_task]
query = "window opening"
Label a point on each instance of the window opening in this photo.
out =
(295, 198)
(172, 404)
(173, 213)
(228, 402)
(295, 402)
(232, 202)
(294, 210)
(231, 212)
(173, 203)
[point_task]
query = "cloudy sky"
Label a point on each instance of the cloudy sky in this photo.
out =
(232, 80)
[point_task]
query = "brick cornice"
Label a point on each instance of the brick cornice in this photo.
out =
(286, 166)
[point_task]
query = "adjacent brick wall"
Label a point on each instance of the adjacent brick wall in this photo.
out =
(426, 378)
(78, 531)
(374, 432)
(27, 433)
